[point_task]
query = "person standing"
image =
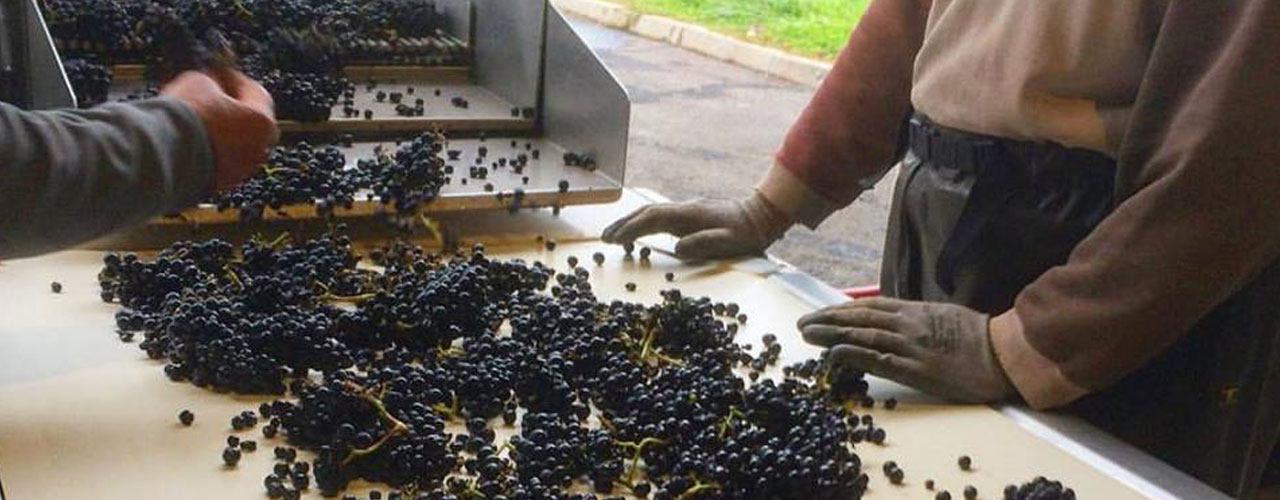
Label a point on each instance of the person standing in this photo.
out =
(1085, 215)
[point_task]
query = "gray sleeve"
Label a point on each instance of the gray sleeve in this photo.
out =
(67, 177)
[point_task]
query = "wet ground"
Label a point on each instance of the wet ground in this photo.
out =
(704, 128)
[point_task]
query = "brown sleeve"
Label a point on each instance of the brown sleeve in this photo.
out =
(848, 135)
(1199, 176)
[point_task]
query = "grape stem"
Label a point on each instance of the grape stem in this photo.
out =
(240, 7)
(694, 491)
(348, 298)
(397, 427)
(824, 380)
(330, 296)
(274, 244)
(647, 351)
(231, 275)
(271, 170)
(727, 425)
(639, 450)
(451, 411)
(649, 336)
(471, 491)
(433, 227)
(605, 422)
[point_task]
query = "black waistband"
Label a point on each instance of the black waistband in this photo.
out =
(1004, 170)
(973, 152)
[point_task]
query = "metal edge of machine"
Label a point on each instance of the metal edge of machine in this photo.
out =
(41, 82)
(458, 14)
(585, 108)
(506, 44)
(1131, 466)
(51, 88)
(527, 53)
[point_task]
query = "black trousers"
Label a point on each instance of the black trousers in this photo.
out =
(976, 219)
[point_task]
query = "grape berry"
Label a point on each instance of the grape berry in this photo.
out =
(397, 375)
(306, 174)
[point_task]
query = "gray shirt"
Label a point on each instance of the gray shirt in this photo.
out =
(70, 176)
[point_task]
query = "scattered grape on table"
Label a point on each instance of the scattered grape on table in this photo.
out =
(611, 397)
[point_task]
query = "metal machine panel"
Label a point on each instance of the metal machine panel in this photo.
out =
(49, 85)
(507, 48)
(32, 73)
(586, 109)
(523, 84)
(458, 12)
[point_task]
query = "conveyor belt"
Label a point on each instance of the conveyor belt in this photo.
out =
(132, 438)
(496, 192)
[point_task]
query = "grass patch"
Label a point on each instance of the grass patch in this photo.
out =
(814, 28)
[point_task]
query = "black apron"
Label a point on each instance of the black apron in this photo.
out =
(975, 219)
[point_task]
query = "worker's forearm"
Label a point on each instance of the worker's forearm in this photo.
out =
(70, 176)
(849, 133)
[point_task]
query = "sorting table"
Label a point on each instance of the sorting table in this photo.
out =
(83, 415)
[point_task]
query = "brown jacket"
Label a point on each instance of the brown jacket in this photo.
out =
(1188, 102)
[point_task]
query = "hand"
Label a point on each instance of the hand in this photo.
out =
(943, 349)
(708, 229)
(238, 115)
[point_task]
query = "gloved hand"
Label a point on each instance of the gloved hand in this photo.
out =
(942, 349)
(708, 229)
(239, 116)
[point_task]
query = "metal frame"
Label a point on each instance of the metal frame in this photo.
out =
(507, 48)
(458, 12)
(527, 53)
(586, 108)
(13, 57)
(29, 59)
(523, 55)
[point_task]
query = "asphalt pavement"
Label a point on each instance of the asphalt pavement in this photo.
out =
(702, 128)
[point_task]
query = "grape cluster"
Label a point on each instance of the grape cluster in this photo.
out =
(297, 174)
(398, 374)
(127, 28)
(235, 324)
(318, 175)
(296, 48)
(374, 427)
(411, 177)
(96, 25)
(1039, 488)
(304, 97)
(90, 80)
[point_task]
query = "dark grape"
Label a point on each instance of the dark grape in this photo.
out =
(373, 365)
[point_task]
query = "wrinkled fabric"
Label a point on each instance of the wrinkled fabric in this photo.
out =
(71, 176)
(850, 133)
(1196, 220)
(1208, 404)
(1061, 71)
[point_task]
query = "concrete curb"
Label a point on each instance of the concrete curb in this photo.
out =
(701, 40)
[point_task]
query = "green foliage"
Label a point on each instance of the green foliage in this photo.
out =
(815, 28)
